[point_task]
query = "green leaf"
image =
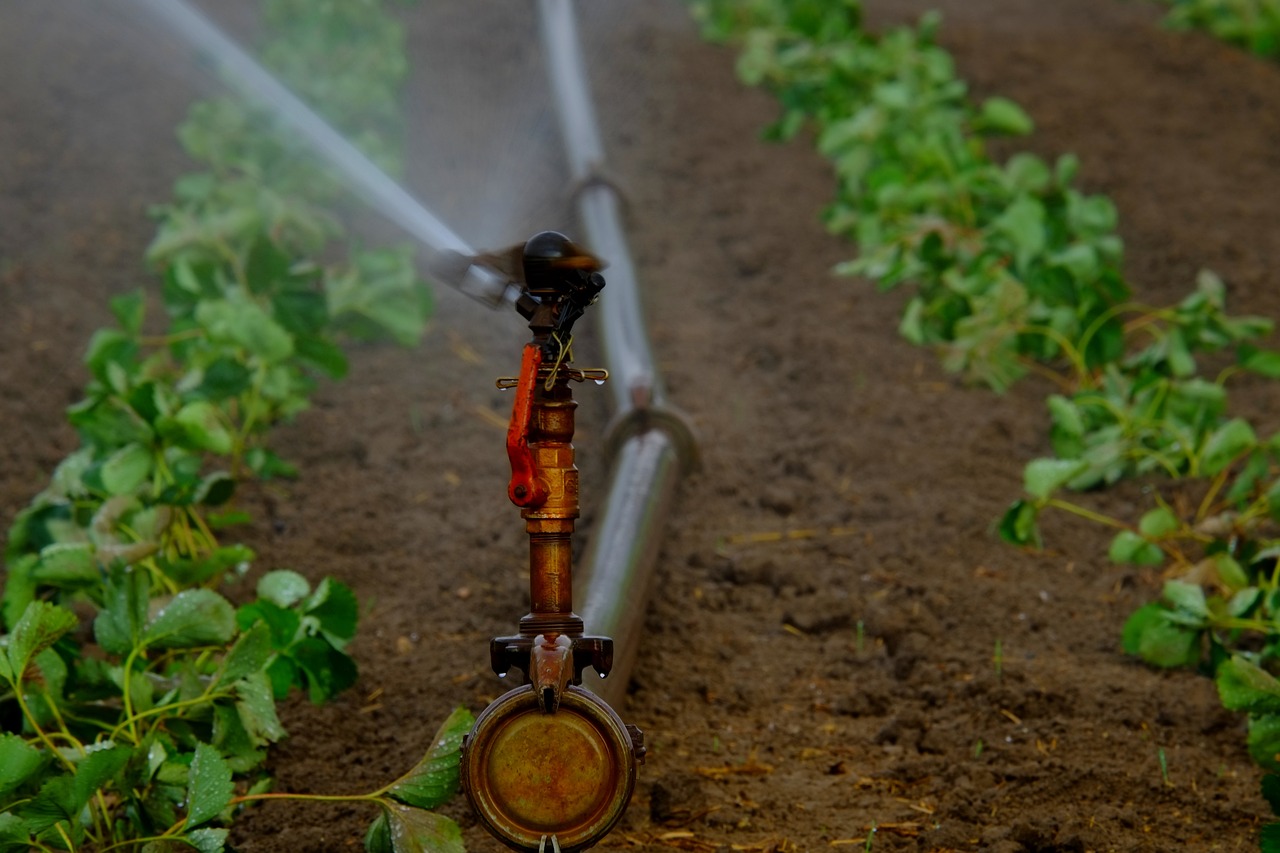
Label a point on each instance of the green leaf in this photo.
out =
(215, 489)
(282, 622)
(195, 617)
(328, 670)
(1271, 791)
(1129, 547)
(1136, 625)
(1227, 443)
(250, 654)
(67, 564)
(39, 628)
(129, 310)
(283, 587)
(19, 762)
(334, 605)
(53, 804)
(1264, 362)
(125, 470)
(246, 324)
(256, 705)
(1023, 224)
(232, 740)
(324, 355)
(118, 626)
(208, 840)
(1264, 740)
(1269, 838)
(1244, 686)
(225, 377)
(378, 838)
(1001, 115)
(411, 830)
(1231, 573)
(209, 787)
(1018, 525)
(109, 348)
(266, 464)
(15, 837)
(435, 778)
(1042, 477)
(98, 768)
(1158, 522)
(1151, 635)
(204, 427)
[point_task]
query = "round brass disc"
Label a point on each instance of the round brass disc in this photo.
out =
(531, 775)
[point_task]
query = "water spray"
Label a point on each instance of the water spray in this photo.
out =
(550, 763)
(448, 255)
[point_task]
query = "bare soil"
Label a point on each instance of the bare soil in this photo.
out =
(886, 661)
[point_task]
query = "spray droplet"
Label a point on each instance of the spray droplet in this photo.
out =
(599, 381)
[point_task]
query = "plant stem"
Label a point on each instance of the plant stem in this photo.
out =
(1076, 509)
(375, 797)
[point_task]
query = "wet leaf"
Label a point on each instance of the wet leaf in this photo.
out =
(435, 778)
(209, 787)
(408, 830)
(256, 706)
(334, 605)
(118, 626)
(195, 617)
(39, 628)
(283, 587)
(250, 654)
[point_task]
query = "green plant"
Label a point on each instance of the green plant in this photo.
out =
(1009, 262)
(139, 700)
(1270, 838)
(1251, 24)
(1015, 270)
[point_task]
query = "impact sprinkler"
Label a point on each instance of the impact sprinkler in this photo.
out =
(549, 766)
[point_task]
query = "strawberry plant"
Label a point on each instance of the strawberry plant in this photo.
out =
(137, 700)
(1251, 24)
(1015, 270)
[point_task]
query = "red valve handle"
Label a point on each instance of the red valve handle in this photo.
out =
(525, 489)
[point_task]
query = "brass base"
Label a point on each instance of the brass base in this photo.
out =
(538, 781)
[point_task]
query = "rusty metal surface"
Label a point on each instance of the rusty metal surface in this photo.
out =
(531, 775)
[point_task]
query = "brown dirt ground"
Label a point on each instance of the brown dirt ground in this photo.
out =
(815, 415)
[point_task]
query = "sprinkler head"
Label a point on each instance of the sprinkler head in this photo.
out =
(554, 266)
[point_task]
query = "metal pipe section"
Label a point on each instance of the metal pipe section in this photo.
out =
(652, 442)
(378, 189)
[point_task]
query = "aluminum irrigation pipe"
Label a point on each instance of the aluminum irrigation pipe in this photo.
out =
(652, 443)
(244, 74)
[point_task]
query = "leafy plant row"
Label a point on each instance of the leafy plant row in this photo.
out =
(1251, 24)
(136, 700)
(1016, 270)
